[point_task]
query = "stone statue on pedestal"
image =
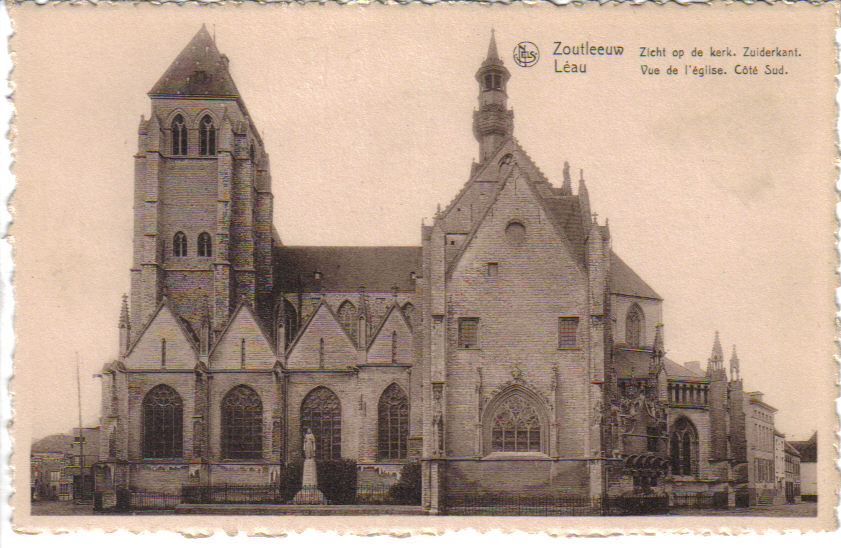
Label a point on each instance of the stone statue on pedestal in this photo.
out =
(309, 493)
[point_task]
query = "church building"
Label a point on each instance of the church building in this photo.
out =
(512, 351)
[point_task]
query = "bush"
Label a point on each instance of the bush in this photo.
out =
(337, 480)
(290, 480)
(408, 489)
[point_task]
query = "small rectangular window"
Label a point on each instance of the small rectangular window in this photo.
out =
(568, 332)
(493, 269)
(652, 438)
(468, 332)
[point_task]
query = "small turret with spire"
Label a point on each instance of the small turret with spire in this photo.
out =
(716, 361)
(734, 365)
(566, 188)
(125, 327)
(493, 121)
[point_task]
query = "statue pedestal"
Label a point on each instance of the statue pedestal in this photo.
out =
(309, 493)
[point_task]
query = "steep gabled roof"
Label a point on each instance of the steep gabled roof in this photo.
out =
(393, 309)
(183, 325)
(243, 305)
(199, 70)
(301, 332)
(635, 364)
(624, 281)
(346, 268)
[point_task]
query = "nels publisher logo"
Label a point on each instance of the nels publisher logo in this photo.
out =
(526, 54)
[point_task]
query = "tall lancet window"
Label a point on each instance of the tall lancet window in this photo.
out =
(179, 136)
(179, 245)
(634, 326)
(205, 246)
(242, 424)
(394, 347)
(207, 137)
(290, 321)
(392, 423)
(322, 413)
(162, 422)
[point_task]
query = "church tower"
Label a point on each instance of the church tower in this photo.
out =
(202, 201)
(494, 121)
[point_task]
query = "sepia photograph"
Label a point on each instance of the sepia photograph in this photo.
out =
(285, 265)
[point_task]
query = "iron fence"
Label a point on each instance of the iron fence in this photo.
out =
(233, 494)
(494, 504)
(141, 500)
(700, 500)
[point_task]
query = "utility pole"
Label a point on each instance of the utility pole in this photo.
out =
(81, 432)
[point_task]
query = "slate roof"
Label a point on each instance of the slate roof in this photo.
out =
(346, 268)
(625, 281)
(55, 443)
(635, 363)
(199, 70)
(808, 449)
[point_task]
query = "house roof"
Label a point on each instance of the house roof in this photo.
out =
(625, 281)
(808, 449)
(199, 70)
(55, 443)
(346, 268)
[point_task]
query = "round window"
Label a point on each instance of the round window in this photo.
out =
(515, 233)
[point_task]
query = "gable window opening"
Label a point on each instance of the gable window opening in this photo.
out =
(568, 332)
(242, 353)
(179, 245)
(468, 332)
(321, 353)
(179, 136)
(205, 247)
(207, 137)
(163, 352)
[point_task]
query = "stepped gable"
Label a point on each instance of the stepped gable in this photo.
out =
(377, 268)
(624, 281)
(199, 70)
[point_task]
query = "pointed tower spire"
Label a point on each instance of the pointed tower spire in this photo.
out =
(716, 360)
(493, 121)
(734, 365)
(566, 188)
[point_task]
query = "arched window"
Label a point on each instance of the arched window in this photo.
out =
(684, 448)
(205, 246)
(634, 326)
(392, 423)
(290, 321)
(409, 312)
(179, 136)
(251, 152)
(162, 420)
(322, 413)
(347, 317)
(179, 245)
(242, 424)
(515, 424)
(207, 137)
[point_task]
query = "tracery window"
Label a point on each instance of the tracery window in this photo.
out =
(179, 245)
(179, 136)
(205, 246)
(634, 323)
(290, 321)
(347, 317)
(162, 423)
(242, 424)
(392, 423)
(683, 444)
(322, 413)
(207, 137)
(515, 425)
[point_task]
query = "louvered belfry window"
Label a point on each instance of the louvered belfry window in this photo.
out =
(179, 136)
(242, 424)
(393, 423)
(468, 332)
(205, 245)
(322, 413)
(179, 245)
(207, 137)
(162, 423)
(516, 426)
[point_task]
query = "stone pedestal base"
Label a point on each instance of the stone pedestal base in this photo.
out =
(309, 493)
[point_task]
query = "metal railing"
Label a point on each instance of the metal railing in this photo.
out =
(142, 500)
(495, 504)
(699, 500)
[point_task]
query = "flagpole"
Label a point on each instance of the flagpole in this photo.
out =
(81, 432)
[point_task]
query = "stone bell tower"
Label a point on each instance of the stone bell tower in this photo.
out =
(493, 121)
(202, 199)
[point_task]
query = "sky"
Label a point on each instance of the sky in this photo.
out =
(718, 190)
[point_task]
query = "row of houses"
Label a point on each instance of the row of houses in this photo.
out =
(61, 465)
